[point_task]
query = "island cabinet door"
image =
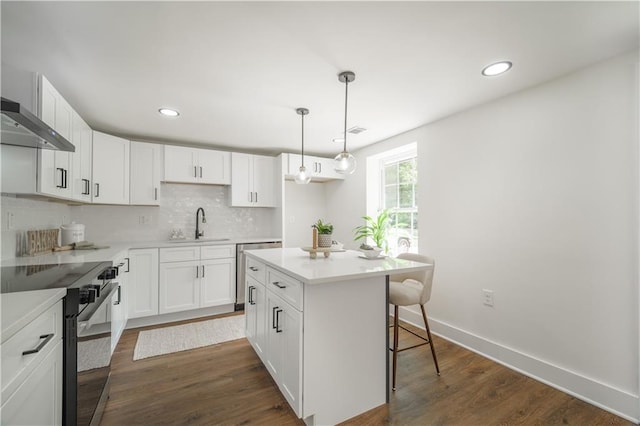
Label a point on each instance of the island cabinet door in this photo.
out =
(255, 312)
(284, 349)
(179, 286)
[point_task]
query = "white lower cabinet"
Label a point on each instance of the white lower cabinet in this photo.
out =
(32, 382)
(142, 283)
(195, 277)
(179, 286)
(274, 329)
(119, 312)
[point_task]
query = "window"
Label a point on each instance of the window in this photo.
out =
(392, 183)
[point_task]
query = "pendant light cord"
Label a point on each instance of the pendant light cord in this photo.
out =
(302, 139)
(346, 95)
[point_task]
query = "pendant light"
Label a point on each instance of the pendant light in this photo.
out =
(302, 177)
(345, 163)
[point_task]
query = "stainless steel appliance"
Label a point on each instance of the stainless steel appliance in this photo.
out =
(22, 128)
(86, 330)
(240, 265)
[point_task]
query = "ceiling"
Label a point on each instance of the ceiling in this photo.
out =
(237, 71)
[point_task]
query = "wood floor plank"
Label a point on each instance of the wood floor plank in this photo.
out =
(227, 384)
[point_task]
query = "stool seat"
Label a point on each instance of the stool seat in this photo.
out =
(411, 289)
(405, 293)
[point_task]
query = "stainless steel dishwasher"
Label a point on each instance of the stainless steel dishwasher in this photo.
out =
(240, 272)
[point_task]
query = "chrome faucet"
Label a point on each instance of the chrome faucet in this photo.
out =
(199, 233)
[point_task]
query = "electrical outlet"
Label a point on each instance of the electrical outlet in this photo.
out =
(10, 220)
(65, 219)
(487, 297)
(144, 219)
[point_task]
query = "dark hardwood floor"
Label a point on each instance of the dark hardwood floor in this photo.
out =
(227, 384)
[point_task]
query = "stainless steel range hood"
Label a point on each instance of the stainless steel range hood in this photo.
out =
(22, 128)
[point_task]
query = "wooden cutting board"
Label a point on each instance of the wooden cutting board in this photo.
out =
(41, 241)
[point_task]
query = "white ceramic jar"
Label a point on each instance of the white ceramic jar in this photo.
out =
(71, 233)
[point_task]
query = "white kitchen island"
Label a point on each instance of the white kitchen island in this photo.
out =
(320, 328)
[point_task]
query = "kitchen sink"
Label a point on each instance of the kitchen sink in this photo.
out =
(199, 240)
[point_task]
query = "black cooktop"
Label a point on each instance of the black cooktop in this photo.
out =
(40, 277)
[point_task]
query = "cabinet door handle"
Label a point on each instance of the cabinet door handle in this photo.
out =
(251, 197)
(46, 337)
(256, 197)
(197, 271)
(202, 271)
(155, 194)
(61, 177)
(273, 317)
(195, 172)
(97, 190)
(65, 175)
(278, 329)
(85, 190)
(253, 268)
(320, 167)
(251, 301)
(200, 171)
(128, 264)
(119, 296)
(277, 284)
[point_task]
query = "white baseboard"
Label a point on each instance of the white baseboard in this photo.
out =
(601, 395)
(179, 316)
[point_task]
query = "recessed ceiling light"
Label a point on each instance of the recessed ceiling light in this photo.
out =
(497, 68)
(169, 112)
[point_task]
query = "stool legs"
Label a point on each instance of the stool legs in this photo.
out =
(433, 351)
(395, 344)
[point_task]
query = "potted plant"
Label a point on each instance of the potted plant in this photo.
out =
(325, 231)
(376, 229)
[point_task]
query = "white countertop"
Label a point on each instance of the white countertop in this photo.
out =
(114, 250)
(19, 309)
(337, 267)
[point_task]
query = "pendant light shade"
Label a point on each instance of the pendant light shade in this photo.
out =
(344, 162)
(302, 177)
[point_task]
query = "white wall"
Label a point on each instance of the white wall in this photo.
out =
(535, 196)
(304, 205)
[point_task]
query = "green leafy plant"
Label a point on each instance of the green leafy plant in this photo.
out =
(376, 229)
(323, 228)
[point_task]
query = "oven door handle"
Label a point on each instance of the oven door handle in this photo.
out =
(105, 296)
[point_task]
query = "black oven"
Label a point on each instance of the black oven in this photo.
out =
(86, 331)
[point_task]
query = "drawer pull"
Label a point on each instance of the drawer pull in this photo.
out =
(46, 337)
(253, 268)
(277, 284)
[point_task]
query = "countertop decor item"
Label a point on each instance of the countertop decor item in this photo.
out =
(41, 241)
(325, 232)
(376, 229)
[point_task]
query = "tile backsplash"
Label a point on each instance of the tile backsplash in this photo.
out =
(109, 224)
(22, 214)
(178, 206)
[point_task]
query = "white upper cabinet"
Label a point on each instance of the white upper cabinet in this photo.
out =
(54, 167)
(195, 165)
(320, 169)
(110, 169)
(82, 138)
(146, 173)
(253, 180)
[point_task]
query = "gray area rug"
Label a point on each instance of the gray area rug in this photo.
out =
(162, 341)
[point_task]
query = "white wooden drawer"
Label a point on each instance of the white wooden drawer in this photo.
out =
(256, 269)
(286, 287)
(179, 254)
(217, 252)
(14, 364)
